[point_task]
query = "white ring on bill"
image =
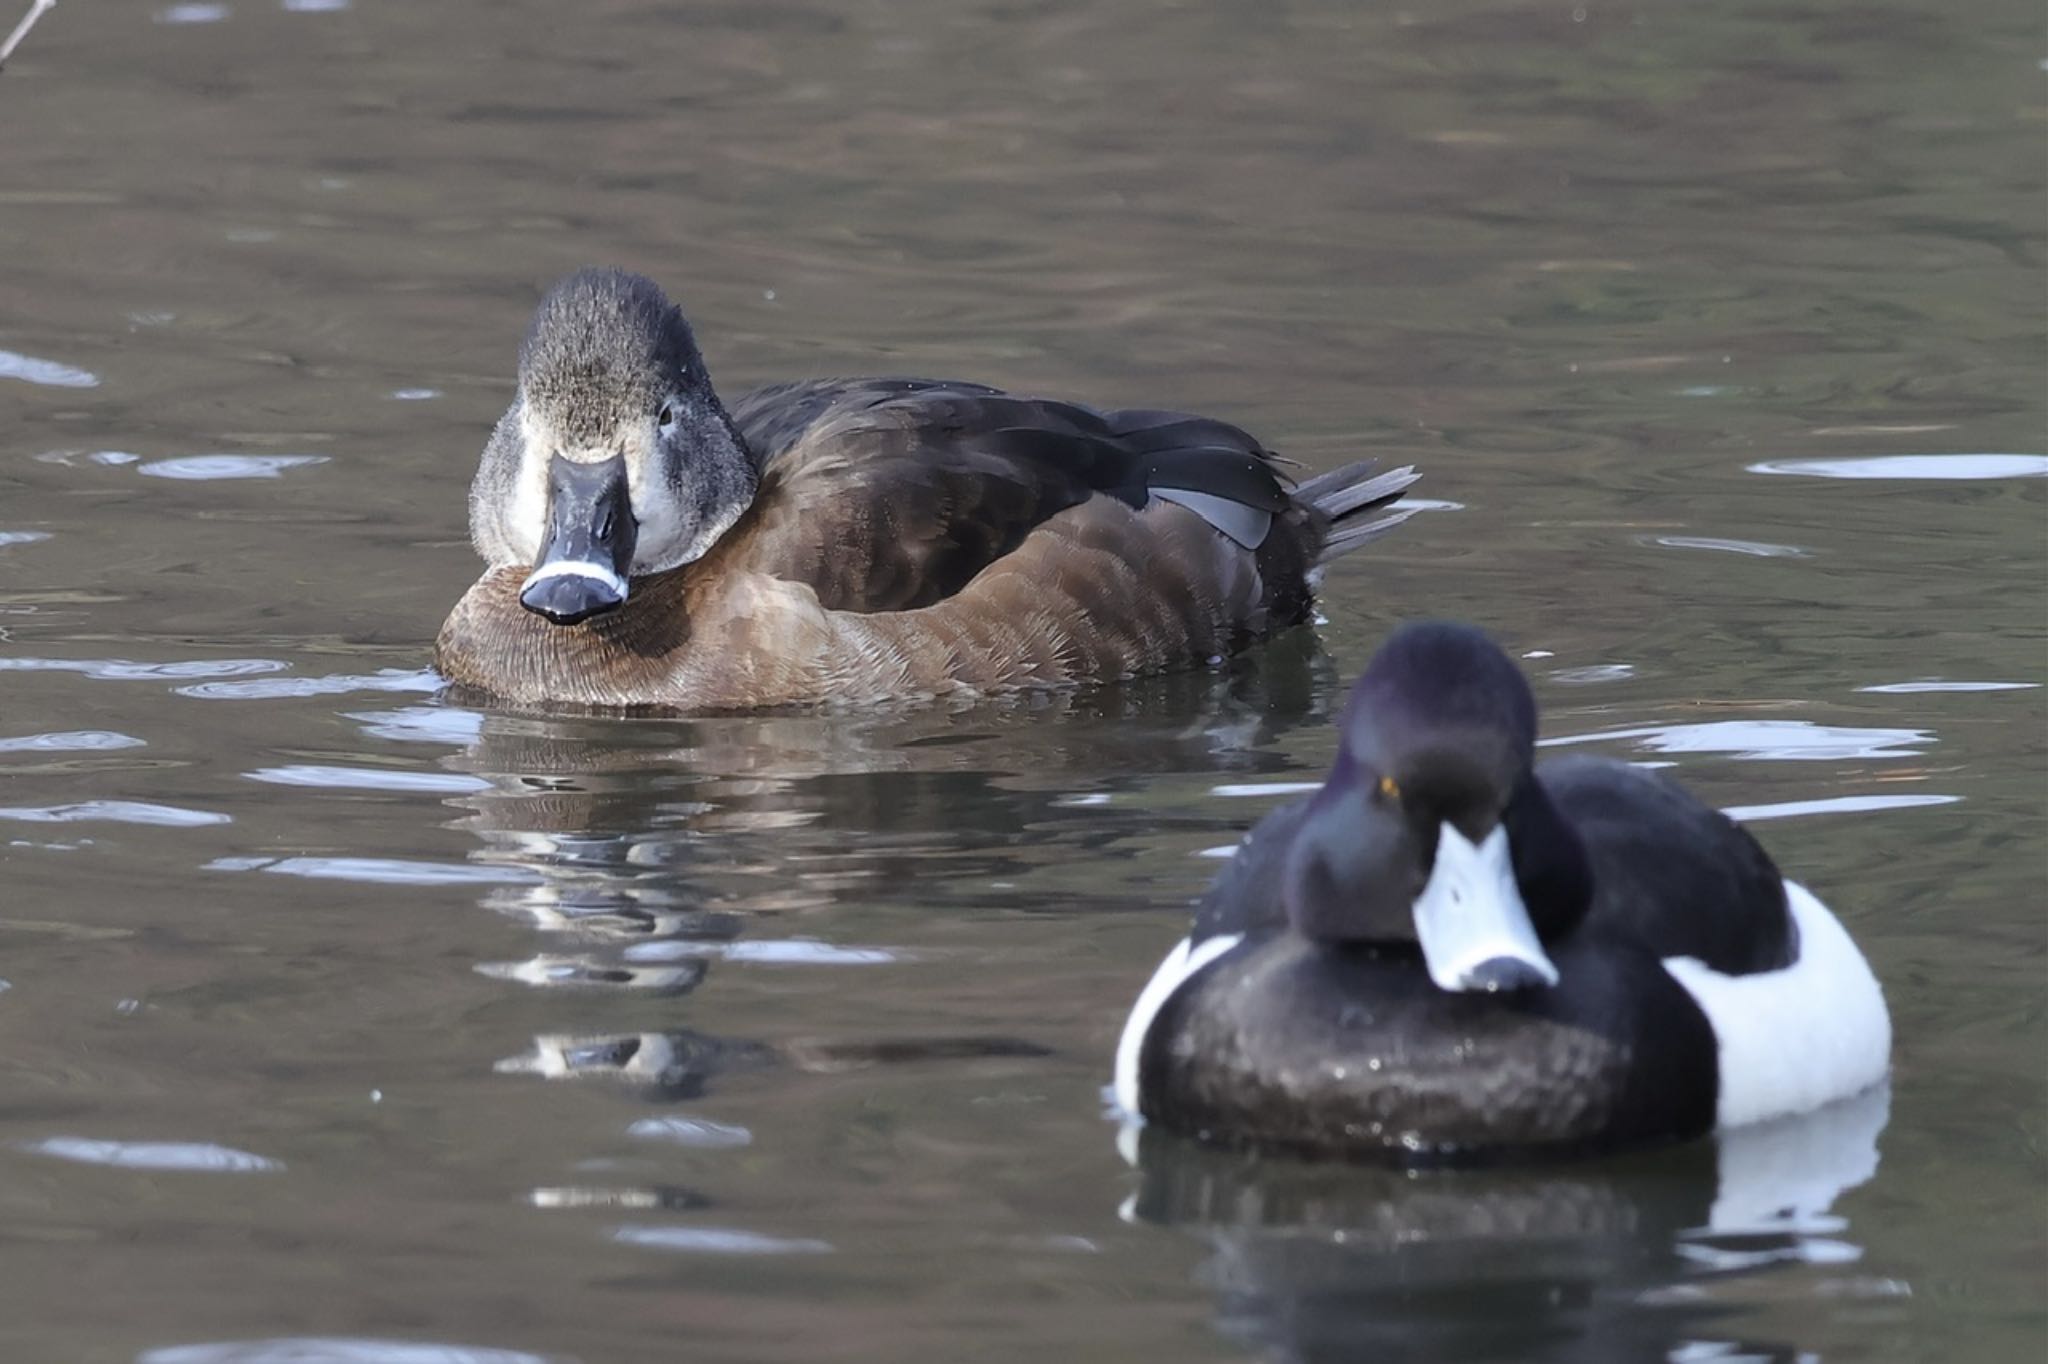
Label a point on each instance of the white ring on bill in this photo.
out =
(575, 568)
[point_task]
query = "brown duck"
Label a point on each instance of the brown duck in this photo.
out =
(858, 540)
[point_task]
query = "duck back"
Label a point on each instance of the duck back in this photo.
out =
(1670, 873)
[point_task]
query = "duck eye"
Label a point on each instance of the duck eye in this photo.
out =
(1390, 789)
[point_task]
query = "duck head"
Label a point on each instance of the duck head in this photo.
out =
(615, 459)
(1432, 829)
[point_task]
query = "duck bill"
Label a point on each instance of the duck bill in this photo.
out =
(1474, 929)
(587, 553)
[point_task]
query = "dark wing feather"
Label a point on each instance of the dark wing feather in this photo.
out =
(1218, 471)
(891, 494)
(774, 418)
(1245, 898)
(1671, 874)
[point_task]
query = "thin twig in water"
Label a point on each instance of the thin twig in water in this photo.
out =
(28, 21)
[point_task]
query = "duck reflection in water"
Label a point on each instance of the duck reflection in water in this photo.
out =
(1638, 1257)
(648, 849)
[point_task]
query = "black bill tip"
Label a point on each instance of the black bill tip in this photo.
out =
(568, 593)
(1498, 975)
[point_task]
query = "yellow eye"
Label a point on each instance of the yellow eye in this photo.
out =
(1390, 788)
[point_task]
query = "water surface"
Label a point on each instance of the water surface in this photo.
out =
(344, 1023)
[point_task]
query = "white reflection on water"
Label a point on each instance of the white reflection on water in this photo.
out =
(377, 870)
(336, 684)
(718, 1241)
(782, 951)
(70, 741)
(152, 1155)
(605, 1196)
(700, 1133)
(22, 537)
(1593, 674)
(121, 670)
(1832, 805)
(1957, 467)
(69, 458)
(207, 468)
(193, 14)
(1764, 740)
(114, 812)
(48, 373)
(551, 971)
(422, 724)
(365, 779)
(1936, 684)
(1756, 549)
(1266, 788)
(336, 1350)
(1784, 1176)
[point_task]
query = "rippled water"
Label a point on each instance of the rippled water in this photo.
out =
(341, 1023)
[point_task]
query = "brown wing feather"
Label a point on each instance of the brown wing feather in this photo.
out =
(893, 494)
(1100, 592)
(887, 495)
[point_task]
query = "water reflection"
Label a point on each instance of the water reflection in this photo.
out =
(335, 1350)
(670, 1066)
(1764, 740)
(1945, 467)
(698, 1133)
(643, 846)
(115, 812)
(1625, 1259)
(35, 370)
(203, 468)
(647, 851)
(718, 1241)
(152, 1155)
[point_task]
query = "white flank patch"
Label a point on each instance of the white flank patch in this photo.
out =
(1793, 1039)
(575, 568)
(1180, 964)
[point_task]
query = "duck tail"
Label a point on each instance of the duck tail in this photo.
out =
(1345, 497)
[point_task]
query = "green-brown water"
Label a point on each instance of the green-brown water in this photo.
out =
(783, 1039)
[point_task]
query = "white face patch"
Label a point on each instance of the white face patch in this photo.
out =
(1471, 912)
(575, 568)
(1180, 965)
(526, 520)
(1793, 1039)
(654, 508)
